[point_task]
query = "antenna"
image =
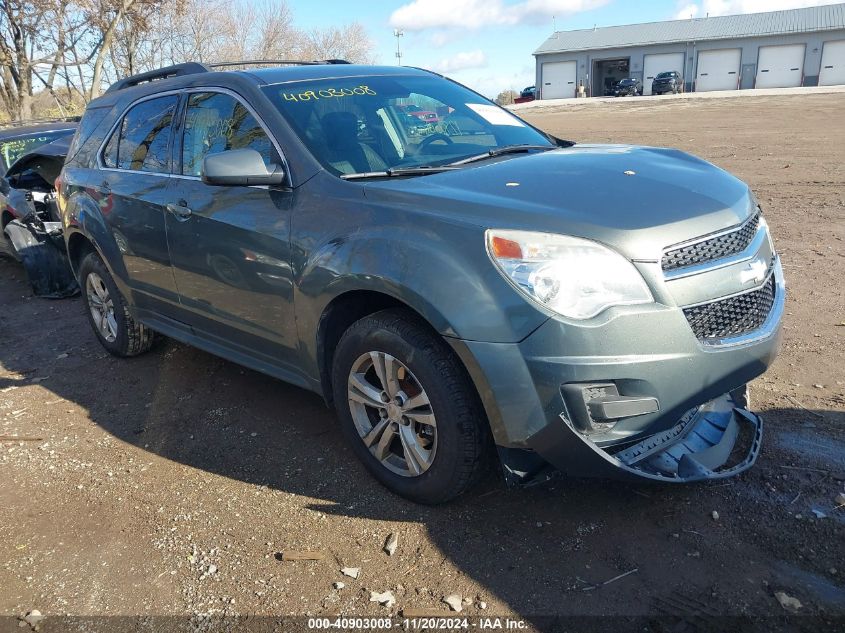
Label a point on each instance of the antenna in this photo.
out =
(554, 24)
(397, 33)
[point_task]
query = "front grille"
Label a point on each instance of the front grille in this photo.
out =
(714, 248)
(734, 316)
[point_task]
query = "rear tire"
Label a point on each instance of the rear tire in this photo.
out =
(408, 408)
(108, 315)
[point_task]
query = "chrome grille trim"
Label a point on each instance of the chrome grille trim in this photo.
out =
(765, 329)
(729, 246)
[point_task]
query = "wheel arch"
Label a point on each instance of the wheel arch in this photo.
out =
(78, 246)
(340, 313)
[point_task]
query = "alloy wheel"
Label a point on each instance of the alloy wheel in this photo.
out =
(392, 414)
(102, 307)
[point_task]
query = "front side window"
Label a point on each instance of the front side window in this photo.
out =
(359, 125)
(216, 122)
(142, 140)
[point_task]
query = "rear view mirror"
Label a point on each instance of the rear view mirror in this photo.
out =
(242, 167)
(4, 186)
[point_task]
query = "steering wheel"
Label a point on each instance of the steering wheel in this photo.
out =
(433, 138)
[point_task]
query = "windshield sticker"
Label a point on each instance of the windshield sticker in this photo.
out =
(494, 114)
(328, 93)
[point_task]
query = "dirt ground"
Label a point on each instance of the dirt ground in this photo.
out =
(167, 484)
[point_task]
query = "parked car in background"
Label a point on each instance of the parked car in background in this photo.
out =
(426, 116)
(439, 291)
(32, 231)
(23, 187)
(529, 92)
(29, 184)
(627, 88)
(19, 139)
(670, 81)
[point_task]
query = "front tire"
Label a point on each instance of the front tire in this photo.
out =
(408, 408)
(108, 315)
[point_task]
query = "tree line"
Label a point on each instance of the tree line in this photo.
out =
(57, 55)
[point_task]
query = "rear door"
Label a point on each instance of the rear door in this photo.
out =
(132, 186)
(230, 246)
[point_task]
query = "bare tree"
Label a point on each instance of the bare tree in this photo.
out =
(71, 48)
(506, 97)
(350, 42)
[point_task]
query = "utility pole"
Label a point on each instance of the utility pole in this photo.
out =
(397, 33)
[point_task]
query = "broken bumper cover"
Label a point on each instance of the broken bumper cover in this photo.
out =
(699, 447)
(41, 249)
(632, 395)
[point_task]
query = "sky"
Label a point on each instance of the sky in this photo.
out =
(488, 44)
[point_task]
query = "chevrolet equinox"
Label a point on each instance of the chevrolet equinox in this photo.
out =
(464, 292)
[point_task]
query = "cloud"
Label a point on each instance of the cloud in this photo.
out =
(688, 11)
(439, 39)
(475, 14)
(733, 7)
(461, 61)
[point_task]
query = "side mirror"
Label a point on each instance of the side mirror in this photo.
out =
(240, 167)
(5, 187)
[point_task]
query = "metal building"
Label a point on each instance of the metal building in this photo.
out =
(800, 47)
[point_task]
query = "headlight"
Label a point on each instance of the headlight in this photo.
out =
(574, 277)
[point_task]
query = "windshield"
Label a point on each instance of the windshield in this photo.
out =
(358, 125)
(627, 82)
(13, 148)
(664, 76)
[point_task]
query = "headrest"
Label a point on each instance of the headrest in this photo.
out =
(341, 128)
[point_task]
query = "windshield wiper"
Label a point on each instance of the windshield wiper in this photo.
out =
(400, 171)
(501, 151)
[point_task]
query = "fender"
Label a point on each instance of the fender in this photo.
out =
(81, 214)
(456, 289)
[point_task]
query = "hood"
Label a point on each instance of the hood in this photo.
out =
(638, 200)
(47, 160)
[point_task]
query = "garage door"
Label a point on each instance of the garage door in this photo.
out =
(654, 64)
(558, 80)
(780, 66)
(833, 64)
(718, 70)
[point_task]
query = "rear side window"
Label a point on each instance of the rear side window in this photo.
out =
(216, 122)
(142, 140)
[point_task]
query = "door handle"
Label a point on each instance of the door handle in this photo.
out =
(181, 210)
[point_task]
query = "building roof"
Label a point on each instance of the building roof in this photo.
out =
(807, 20)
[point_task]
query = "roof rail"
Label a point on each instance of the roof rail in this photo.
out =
(189, 68)
(277, 62)
(192, 68)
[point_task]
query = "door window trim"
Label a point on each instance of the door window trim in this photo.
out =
(101, 164)
(181, 131)
(177, 127)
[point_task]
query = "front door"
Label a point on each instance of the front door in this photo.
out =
(133, 192)
(230, 246)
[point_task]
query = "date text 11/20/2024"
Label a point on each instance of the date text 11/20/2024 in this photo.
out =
(428, 623)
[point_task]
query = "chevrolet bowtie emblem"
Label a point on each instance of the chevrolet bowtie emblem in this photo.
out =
(755, 271)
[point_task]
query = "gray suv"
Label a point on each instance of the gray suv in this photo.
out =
(462, 293)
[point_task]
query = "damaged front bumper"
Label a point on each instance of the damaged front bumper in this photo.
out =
(40, 247)
(634, 395)
(702, 445)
